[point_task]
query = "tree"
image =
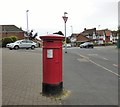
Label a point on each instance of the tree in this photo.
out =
(68, 40)
(59, 33)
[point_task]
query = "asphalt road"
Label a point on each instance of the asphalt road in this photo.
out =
(92, 76)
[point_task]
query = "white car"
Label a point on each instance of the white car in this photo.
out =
(87, 45)
(67, 45)
(22, 44)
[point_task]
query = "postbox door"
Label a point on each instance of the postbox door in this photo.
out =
(52, 66)
(58, 65)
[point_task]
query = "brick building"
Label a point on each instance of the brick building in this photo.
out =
(11, 30)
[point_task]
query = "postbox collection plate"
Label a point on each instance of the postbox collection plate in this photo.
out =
(49, 53)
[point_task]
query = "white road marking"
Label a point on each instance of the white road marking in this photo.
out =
(115, 65)
(98, 56)
(93, 54)
(83, 56)
(83, 60)
(104, 68)
(99, 65)
(105, 58)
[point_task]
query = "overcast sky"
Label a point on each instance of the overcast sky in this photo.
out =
(45, 16)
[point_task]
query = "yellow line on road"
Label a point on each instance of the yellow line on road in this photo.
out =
(104, 67)
(99, 65)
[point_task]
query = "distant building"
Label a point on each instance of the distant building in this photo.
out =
(89, 33)
(114, 37)
(103, 36)
(81, 38)
(97, 36)
(11, 30)
(76, 39)
(73, 39)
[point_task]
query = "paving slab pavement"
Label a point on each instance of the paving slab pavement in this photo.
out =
(22, 78)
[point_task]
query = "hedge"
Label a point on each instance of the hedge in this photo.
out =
(14, 38)
(7, 40)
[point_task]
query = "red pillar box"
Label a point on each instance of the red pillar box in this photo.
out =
(52, 64)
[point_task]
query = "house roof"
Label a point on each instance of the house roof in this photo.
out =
(104, 31)
(74, 35)
(10, 28)
(100, 32)
(89, 32)
(82, 38)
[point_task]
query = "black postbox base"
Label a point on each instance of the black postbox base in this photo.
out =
(52, 89)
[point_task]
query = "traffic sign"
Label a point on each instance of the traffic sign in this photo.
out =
(65, 18)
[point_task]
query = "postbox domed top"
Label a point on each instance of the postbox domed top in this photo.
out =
(52, 36)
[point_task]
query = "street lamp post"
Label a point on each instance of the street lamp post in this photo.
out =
(98, 27)
(27, 20)
(65, 20)
(71, 29)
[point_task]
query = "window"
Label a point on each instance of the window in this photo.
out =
(23, 41)
(29, 42)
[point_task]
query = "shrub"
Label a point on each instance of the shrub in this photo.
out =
(95, 44)
(14, 38)
(108, 43)
(6, 40)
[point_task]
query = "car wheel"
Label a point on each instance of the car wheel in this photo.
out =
(10, 48)
(16, 47)
(87, 46)
(32, 47)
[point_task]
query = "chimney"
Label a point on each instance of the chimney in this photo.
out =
(95, 29)
(84, 29)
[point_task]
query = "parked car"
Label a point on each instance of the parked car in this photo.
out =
(67, 45)
(22, 44)
(87, 45)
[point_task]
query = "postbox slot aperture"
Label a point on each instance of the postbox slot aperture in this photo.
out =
(50, 41)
